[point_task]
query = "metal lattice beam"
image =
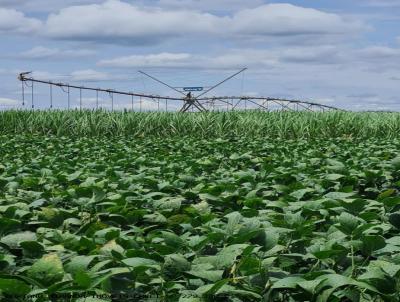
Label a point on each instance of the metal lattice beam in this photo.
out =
(189, 102)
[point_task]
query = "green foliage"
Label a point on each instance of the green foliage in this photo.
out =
(213, 219)
(275, 124)
(47, 270)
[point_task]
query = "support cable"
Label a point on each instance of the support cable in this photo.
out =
(80, 99)
(97, 100)
(112, 100)
(51, 96)
(23, 93)
(33, 105)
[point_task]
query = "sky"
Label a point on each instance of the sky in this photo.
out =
(343, 53)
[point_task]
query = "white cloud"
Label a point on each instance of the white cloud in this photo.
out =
(232, 59)
(379, 53)
(289, 20)
(5, 102)
(89, 75)
(229, 60)
(119, 21)
(310, 55)
(151, 60)
(86, 75)
(15, 22)
(43, 5)
(208, 5)
(129, 24)
(201, 5)
(326, 101)
(373, 58)
(40, 52)
(45, 75)
(254, 59)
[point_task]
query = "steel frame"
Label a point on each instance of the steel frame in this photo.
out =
(190, 102)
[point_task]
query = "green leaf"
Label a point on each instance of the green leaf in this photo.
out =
(216, 287)
(268, 239)
(187, 298)
(310, 285)
(348, 223)
(372, 243)
(32, 248)
(108, 234)
(14, 287)
(333, 177)
(79, 263)
(139, 262)
(98, 196)
(74, 176)
(339, 195)
(110, 247)
(173, 240)
(82, 279)
(168, 203)
(209, 275)
(233, 222)
(335, 165)
(47, 270)
(299, 194)
(395, 162)
(175, 264)
(14, 240)
(288, 282)
(212, 289)
(394, 219)
(386, 193)
(329, 284)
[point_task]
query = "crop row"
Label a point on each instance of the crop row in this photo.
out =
(200, 220)
(281, 124)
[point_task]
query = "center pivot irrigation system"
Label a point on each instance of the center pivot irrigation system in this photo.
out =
(189, 101)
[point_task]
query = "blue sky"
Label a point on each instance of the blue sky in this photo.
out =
(340, 53)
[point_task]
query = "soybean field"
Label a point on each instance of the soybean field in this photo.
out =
(241, 206)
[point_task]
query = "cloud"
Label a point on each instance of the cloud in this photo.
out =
(5, 102)
(311, 55)
(151, 60)
(325, 101)
(209, 5)
(11, 3)
(43, 5)
(86, 75)
(232, 59)
(379, 53)
(89, 75)
(255, 59)
(40, 53)
(15, 22)
(290, 20)
(382, 3)
(126, 23)
(377, 58)
(129, 24)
